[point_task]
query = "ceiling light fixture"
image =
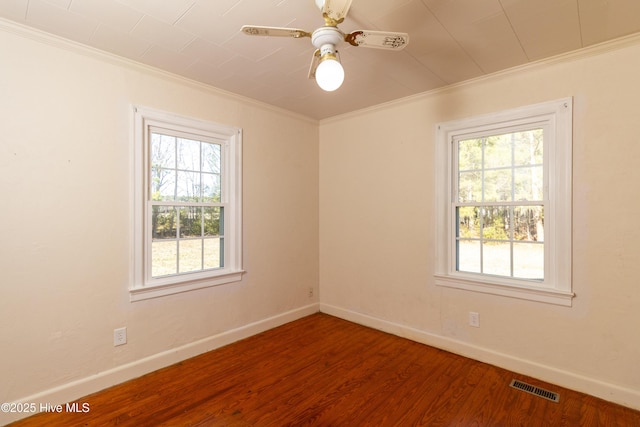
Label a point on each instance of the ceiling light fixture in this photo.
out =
(329, 74)
(328, 71)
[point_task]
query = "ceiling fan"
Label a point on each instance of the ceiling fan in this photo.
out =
(325, 65)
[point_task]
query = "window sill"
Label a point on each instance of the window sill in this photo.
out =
(160, 290)
(530, 293)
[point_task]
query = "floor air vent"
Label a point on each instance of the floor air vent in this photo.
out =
(549, 395)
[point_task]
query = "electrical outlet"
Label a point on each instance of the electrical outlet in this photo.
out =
(119, 336)
(474, 319)
(310, 292)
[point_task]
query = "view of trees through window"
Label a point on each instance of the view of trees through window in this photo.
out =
(187, 217)
(500, 204)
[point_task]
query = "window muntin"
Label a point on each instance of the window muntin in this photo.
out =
(187, 222)
(187, 215)
(503, 203)
(499, 204)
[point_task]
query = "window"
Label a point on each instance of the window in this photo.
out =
(187, 209)
(503, 200)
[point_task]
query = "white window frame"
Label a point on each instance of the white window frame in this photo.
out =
(556, 117)
(142, 284)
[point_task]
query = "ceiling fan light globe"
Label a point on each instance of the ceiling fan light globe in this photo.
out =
(329, 75)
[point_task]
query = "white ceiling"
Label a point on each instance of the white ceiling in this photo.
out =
(450, 41)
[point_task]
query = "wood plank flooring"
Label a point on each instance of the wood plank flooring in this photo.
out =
(324, 371)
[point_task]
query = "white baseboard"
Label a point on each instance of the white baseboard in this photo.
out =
(573, 381)
(75, 390)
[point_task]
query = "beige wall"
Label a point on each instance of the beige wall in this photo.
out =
(377, 219)
(65, 214)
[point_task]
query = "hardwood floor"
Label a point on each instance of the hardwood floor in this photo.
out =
(324, 371)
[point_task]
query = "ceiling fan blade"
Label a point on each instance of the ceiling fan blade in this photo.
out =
(378, 39)
(254, 30)
(315, 61)
(336, 10)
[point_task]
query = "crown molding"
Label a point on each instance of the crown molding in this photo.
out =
(44, 37)
(582, 53)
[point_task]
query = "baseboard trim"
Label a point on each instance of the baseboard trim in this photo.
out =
(604, 390)
(75, 390)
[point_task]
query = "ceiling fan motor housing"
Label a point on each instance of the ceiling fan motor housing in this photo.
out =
(326, 39)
